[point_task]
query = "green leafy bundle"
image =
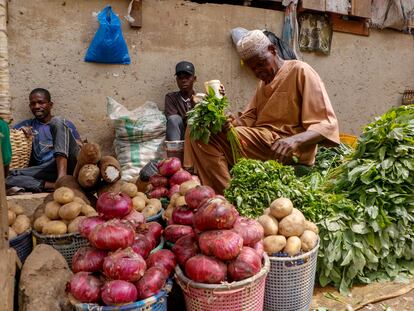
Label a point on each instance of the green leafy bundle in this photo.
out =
(329, 158)
(376, 242)
(208, 118)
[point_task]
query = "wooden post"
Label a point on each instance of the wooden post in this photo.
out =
(136, 14)
(5, 112)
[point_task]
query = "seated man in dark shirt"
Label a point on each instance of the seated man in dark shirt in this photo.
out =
(178, 103)
(54, 149)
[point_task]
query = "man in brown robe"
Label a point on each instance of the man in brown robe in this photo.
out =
(289, 115)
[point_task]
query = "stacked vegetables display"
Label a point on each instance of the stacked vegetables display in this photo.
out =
(211, 242)
(18, 222)
(287, 230)
(119, 267)
(169, 178)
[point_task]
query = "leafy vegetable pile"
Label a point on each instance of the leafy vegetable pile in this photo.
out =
(376, 242)
(329, 158)
(208, 118)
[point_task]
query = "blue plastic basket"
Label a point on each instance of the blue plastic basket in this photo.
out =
(159, 246)
(23, 244)
(157, 218)
(158, 302)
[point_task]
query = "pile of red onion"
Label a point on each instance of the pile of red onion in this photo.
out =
(119, 268)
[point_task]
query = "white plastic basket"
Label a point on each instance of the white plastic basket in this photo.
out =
(290, 282)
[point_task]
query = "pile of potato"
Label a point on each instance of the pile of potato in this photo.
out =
(286, 229)
(62, 215)
(148, 207)
(18, 222)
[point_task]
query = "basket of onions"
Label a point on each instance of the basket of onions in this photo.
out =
(221, 263)
(124, 268)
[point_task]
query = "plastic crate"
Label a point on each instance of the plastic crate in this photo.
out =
(247, 294)
(290, 282)
(157, 218)
(23, 244)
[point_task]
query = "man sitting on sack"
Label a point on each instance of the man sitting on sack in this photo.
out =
(178, 103)
(54, 149)
(288, 116)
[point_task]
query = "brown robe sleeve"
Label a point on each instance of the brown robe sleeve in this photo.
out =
(249, 115)
(317, 112)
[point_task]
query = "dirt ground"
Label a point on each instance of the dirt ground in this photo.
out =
(401, 303)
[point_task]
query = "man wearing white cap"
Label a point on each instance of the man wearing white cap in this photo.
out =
(288, 116)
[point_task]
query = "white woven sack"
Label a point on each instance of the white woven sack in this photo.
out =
(139, 136)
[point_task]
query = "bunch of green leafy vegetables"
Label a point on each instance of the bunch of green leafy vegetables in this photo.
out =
(376, 242)
(329, 158)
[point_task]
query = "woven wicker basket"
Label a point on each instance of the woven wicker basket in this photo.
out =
(408, 97)
(21, 149)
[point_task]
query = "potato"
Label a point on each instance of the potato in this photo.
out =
(12, 217)
(311, 226)
(88, 210)
(180, 201)
(168, 212)
(12, 233)
(309, 239)
(138, 202)
(280, 208)
(155, 202)
(55, 227)
(293, 224)
(17, 208)
(115, 187)
(63, 195)
(142, 195)
(293, 245)
(70, 211)
(266, 211)
(89, 175)
(150, 210)
(269, 224)
(274, 243)
(52, 210)
(174, 198)
(40, 222)
(21, 224)
(129, 189)
(79, 200)
(73, 225)
(190, 184)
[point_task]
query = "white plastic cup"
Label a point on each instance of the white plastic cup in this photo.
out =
(215, 85)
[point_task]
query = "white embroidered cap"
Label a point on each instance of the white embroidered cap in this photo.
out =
(252, 43)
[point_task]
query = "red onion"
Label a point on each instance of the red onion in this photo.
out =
(195, 178)
(158, 181)
(215, 213)
(204, 269)
(185, 248)
(194, 197)
(152, 230)
(247, 264)
(84, 287)
(180, 177)
(114, 205)
(181, 215)
(88, 259)
(258, 247)
(249, 229)
(135, 218)
(153, 281)
(158, 193)
(222, 244)
(125, 265)
(118, 292)
(173, 232)
(173, 189)
(163, 258)
(169, 167)
(142, 245)
(86, 225)
(112, 235)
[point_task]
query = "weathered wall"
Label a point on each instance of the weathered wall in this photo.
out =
(48, 40)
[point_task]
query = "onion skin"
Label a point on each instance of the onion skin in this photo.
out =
(196, 196)
(173, 232)
(249, 229)
(164, 259)
(205, 269)
(158, 181)
(215, 213)
(84, 287)
(118, 292)
(86, 225)
(142, 245)
(181, 215)
(135, 218)
(112, 235)
(114, 205)
(88, 259)
(185, 248)
(179, 177)
(247, 264)
(169, 167)
(222, 244)
(152, 282)
(124, 264)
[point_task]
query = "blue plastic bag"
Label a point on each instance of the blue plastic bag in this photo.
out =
(108, 45)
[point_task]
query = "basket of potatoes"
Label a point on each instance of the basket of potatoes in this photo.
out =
(57, 226)
(292, 244)
(20, 236)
